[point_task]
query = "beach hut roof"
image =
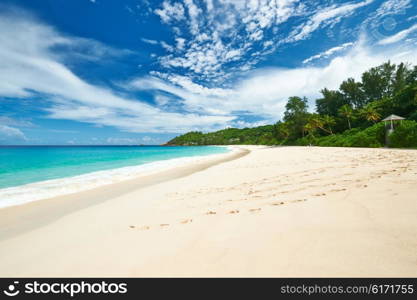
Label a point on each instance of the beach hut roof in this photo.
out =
(393, 118)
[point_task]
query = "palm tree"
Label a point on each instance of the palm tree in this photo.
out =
(282, 130)
(310, 128)
(370, 113)
(329, 121)
(317, 121)
(347, 112)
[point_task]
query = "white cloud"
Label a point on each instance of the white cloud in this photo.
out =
(5, 120)
(147, 139)
(131, 141)
(7, 133)
(167, 47)
(180, 43)
(223, 33)
(326, 16)
(209, 5)
(398, 36)
(392, 7)
(29, 65)
(193, 12)
(123, 141)
(233, 36)
(328, 53)
(170, 12)
(148, 41)
(274, 86)
(382, 21)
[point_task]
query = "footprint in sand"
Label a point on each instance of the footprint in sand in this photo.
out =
(164, 225)
(186, 221)
(277, 203)
(299, 200)
(210, 213)
(320, 194)
(338, 190)
(140, 228)
(255, 209)
(234, 212)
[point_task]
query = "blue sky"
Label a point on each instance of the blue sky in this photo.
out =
(142, 72)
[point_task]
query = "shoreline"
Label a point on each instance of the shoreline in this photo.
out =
(275, 212)
(19, 218)
(67, 185)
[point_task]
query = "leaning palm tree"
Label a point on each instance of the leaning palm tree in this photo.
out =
(310, 128)
(320, 122)
(329, 121)
(346, 111)
(370, 113)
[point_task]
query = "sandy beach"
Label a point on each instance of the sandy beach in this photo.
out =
(260, 211)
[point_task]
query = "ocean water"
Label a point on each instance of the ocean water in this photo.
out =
(32, 173)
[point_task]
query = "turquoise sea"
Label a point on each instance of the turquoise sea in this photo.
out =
(41, 167)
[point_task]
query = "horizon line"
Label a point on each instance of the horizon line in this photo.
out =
(81, 145)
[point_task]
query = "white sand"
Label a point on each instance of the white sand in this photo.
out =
(293, 211)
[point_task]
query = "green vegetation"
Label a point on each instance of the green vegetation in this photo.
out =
(373, 137)
(347, 117)
(405, 135)
(263, 135)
